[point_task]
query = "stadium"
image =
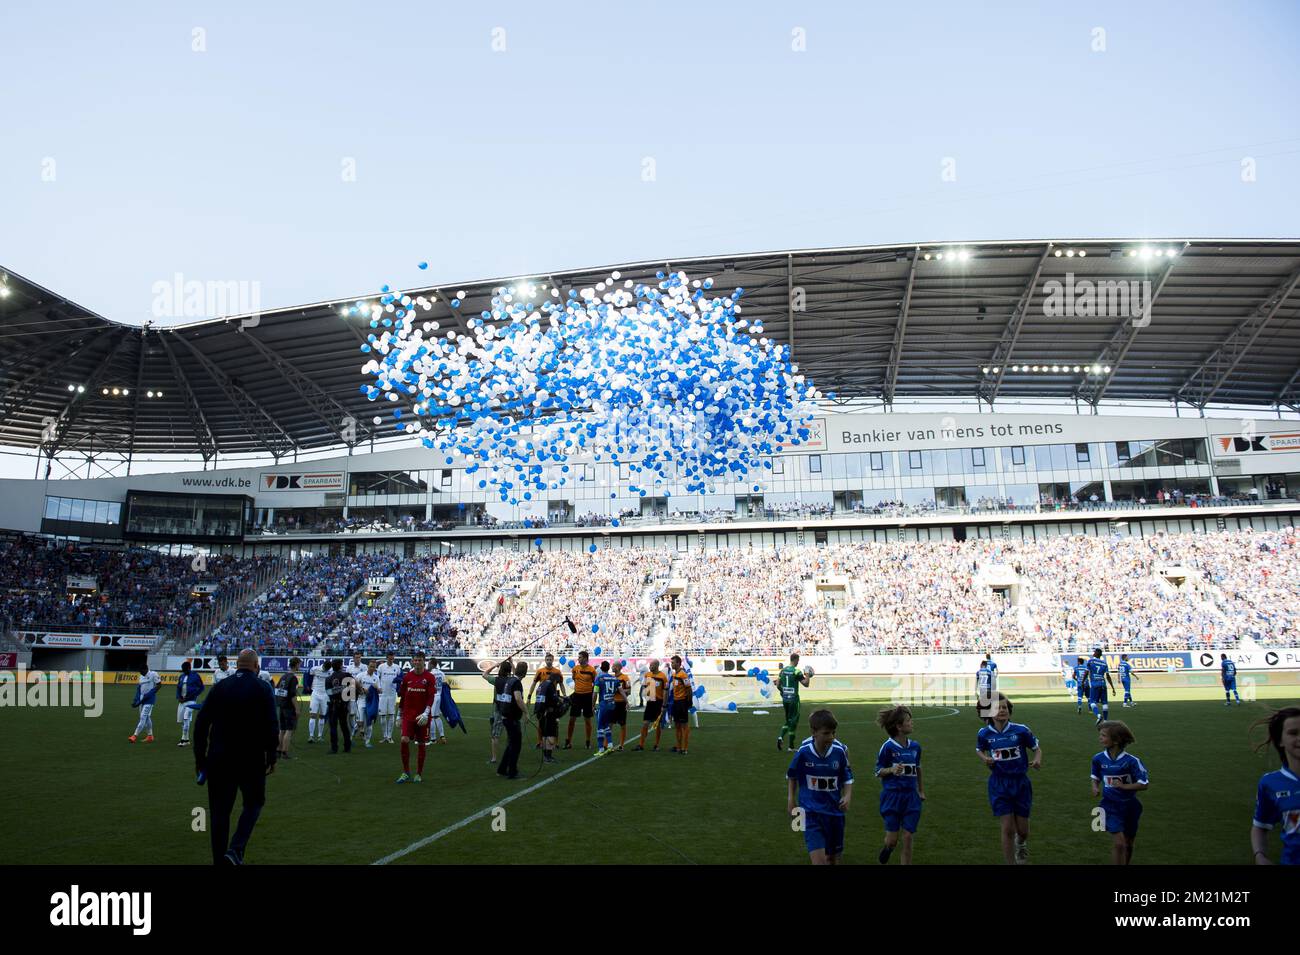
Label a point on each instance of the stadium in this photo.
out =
(205, 487)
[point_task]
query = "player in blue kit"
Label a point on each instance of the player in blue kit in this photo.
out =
(1080, 684)
(1277, 801)
(1126, 679)
(1004, 747)
(1098, 680)
(1228, 672)
(898, 765)
(1117, 777)
(607, 684)
(985, 686)
(820, 780)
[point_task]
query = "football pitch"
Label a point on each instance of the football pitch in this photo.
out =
(76, 792)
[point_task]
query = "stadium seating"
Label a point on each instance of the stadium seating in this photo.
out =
(138, 590)
(298, 611)
(1170, 591)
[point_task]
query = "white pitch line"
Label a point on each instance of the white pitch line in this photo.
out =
(952, 711)
(429, 840)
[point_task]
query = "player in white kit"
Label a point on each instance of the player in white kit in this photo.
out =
(438, 731)
(319, 707)
(146, 694)
(367, 680)
(357, 707)
(390, 674)
(222, 671)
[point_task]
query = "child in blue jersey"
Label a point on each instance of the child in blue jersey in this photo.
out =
(985, 685)
(1098, 680)
(1004, 747)
(606, 687)
(992, 667)
(1117, 777)
(1126, 679)
(820, 780)
(1080, 684)
(1228, 672)
(1277, 801)
(898, 765)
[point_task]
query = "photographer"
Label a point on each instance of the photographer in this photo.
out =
(509, 696)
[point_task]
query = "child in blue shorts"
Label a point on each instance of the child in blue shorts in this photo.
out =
(1117, 777)
(820, 780)
(1004, 747)
(898, 765)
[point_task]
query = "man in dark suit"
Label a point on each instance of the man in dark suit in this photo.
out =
(342, 690)
(236, 738)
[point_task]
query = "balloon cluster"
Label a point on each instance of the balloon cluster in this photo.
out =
(763, 677)
(664, 378)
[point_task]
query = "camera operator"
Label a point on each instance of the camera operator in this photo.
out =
(509, 695)
(551, 705)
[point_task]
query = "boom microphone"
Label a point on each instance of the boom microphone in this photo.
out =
(573, 628)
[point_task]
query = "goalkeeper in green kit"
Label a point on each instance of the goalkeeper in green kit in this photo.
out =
(788, 681)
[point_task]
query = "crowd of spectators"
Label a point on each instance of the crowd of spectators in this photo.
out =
(921, 597)
(438, 604)
(352, 525)
(1184, 591)
(301, 608)
(135, 590)
(739, 602)
(606, 589)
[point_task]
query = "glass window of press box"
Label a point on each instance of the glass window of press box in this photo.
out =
(184, 515)
(381, 483)
(82, 511)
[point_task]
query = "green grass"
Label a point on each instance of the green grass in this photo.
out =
(74, 791)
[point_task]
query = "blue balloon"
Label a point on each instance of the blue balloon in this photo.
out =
(732, 707)
(595, 628)
(563, 660)
(592, 548)
(596, 651)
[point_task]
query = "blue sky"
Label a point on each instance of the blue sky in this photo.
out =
(227, 164)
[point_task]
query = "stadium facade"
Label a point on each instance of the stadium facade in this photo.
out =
(859, 471)
(1214, 323)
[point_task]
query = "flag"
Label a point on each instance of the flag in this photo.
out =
(451, 712)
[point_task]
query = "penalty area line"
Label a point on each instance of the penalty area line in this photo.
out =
(482, 813)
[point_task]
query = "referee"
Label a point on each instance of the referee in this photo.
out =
(236, 737)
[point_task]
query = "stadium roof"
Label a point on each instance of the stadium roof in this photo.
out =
(930, 320)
